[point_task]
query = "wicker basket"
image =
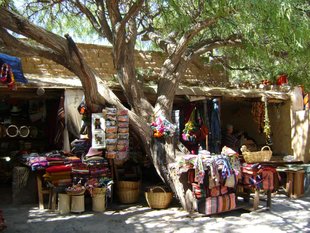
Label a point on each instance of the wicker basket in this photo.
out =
(98, 191)
(158, 198)
(75, 193)
(128, 196)
(258, 156)
(128, 185)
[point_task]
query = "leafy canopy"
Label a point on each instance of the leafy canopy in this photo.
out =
(275, 34)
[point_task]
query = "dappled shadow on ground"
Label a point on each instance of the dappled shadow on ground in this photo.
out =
(285, 216)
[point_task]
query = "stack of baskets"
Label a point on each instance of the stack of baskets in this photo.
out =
(128, 191)
(158, 198)
(257, 156)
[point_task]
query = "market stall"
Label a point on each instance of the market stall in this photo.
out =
(88, 167)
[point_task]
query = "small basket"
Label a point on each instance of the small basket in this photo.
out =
(158, 198)
(128, 196)
(258, 156)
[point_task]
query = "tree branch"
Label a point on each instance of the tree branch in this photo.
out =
(105, 27)
(133, 10)
(92, 19)
(114, 13)
(26, 48)
(166, 45)
(225, 64)
(20, 25)
(209, 45)
(193, 31)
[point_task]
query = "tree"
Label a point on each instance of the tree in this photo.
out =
(184, 30)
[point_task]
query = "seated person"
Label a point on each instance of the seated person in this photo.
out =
(249, 142)
(230, 139)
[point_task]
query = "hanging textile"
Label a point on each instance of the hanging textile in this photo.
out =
(215, 128)
(258, 113)
(16, 66)
(60, 123)
(73, 99)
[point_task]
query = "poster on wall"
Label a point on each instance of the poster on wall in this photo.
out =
(98, 131)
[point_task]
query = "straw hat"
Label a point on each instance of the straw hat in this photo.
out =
(93, 152)
(15, 111)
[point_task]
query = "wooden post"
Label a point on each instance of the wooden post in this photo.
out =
(298, 184)
(269, 199)
(54, 197)
(256, 199)
(40, 194)
(289, 183)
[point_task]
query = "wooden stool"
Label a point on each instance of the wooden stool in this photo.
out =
(295, 183)
(44, 191)
(77, 204)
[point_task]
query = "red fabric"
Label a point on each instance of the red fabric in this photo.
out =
(60, 168)
(54, 159)
(267, 180)
(282, 79)
(196, 190)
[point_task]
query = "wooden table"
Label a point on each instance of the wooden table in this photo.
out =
(293, 185)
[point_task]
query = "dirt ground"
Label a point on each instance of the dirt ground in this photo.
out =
(286, 215)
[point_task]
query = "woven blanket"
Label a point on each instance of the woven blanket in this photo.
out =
(213, 205)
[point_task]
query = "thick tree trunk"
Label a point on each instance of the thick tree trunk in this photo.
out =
(162, 150)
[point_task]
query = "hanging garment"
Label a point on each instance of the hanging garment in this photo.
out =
(215, 127)
(60, 124)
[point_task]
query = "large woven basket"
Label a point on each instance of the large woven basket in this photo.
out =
(128, 196)
(158, 198)
(128, 185)
(258, 156)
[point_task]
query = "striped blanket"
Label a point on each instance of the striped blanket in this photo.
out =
(213, 205)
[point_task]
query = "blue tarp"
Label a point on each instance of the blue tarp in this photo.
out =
(16, 66)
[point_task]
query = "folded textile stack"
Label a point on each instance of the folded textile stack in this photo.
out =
(97, 165)
(122, 137)
(36, 161)
(111, 132)
(59, 175)
(72, 160)
(80, 169)
(55, 161)
(99, 170)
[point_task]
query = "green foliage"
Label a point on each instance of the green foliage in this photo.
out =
(275, 34)
(59, 18)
